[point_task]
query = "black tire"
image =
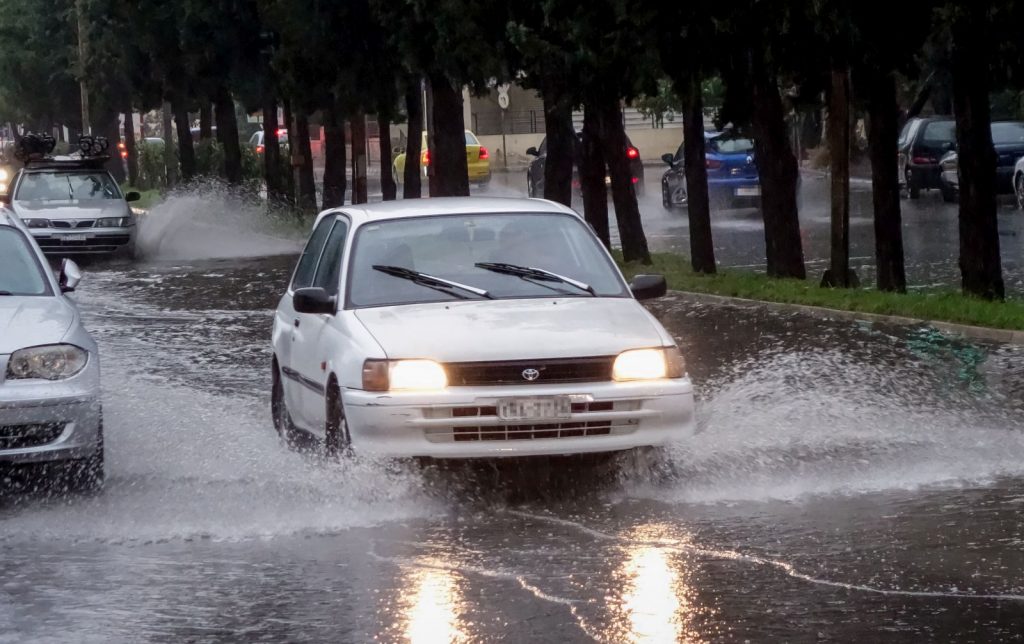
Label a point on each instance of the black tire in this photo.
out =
(279, 411)
(666, 198)
(338, 440)
(531, 191)
(949, 194)
(913, 190)
(1019, 189)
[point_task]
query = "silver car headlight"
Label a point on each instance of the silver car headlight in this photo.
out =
(50, 362)
(3, 175)
(36, 223)
(113, 222)
(649, 364)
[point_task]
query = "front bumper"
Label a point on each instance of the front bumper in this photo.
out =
(460, 422)
(90, 241)
(49, 421)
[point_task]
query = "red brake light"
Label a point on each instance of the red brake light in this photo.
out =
(483, 153)
(713, 164)
(923, 160)
(282, 132)
(632, 153)
(426, 157)
(636, 179)
(124, 154)
(259, 149)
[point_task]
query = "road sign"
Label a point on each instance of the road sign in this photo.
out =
(503, 101)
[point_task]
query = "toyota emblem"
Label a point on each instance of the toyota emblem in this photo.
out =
(531, 374)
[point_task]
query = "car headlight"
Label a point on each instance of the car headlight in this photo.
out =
(649, 364)
(403, 375)
(113, 222)
(3, 175)
(36, 223)
(51, 362)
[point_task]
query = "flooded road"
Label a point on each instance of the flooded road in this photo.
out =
(848, 481)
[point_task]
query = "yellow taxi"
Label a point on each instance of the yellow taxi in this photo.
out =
(478, 160)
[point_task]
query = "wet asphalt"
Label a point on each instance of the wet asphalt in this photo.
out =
(849, 481)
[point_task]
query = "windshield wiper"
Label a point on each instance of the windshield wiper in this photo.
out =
(430, 281)
(6, 293)
(528, 272)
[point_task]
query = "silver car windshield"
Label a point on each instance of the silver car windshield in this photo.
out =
(66, 186)
(454, 247)
(20, 271)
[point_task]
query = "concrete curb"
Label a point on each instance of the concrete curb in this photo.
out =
(1005, 336)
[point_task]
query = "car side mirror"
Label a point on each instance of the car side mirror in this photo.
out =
(314, 300)
(669, 159)
(648, 287)
(132, 196)
(532, 151)
(70, 276)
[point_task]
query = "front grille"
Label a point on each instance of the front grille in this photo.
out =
(92, 244)
(550, 371)
(21, 436)
(536, 430)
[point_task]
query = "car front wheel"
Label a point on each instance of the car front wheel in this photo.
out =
(338, 439)
(530, 190)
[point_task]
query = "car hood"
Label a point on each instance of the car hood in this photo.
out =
(32, 321)
(80, 209)
(512, 329)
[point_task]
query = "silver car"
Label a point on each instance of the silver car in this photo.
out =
(73, 206)
(50, 410)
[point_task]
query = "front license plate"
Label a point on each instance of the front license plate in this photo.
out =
(748, 192)
(66, 238)
(535, 408)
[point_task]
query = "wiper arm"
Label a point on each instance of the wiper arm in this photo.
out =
(430, 281)
(5, 293)
(529, 272)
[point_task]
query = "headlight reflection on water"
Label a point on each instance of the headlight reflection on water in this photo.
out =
(433, 608)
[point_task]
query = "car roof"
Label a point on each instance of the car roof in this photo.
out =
(439, 206)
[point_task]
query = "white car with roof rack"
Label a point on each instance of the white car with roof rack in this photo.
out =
(50, 409)
(471, 328)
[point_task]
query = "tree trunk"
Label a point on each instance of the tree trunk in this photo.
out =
(779, 175)
(170, 163)
(227, 134)
(592, 173)
(206, 120)
(561, 142)
(272, 166)
(387, 180)
(289, 177)
(186, 151)
(334, 159)
(307, 183)
(130, 147)
(980, 264)
(448, 147)
(357, 127)
(838, 274)
(883, 132)
(702, 247)
(411, 175)
(627, 212)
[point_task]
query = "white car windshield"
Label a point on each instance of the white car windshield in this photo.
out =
(66, 186)
(504, 255)
(20, 272)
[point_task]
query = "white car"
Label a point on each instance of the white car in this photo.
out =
(471, 328)
(50, 414)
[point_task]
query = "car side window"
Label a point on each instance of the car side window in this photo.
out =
(328, 270)
(311, 254)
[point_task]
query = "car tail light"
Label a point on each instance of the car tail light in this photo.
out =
(632, 153)
(282, 132)
(713, 164)
(120, 145)
(924, 160)
(259, 149)
(636, 179)
(426, 157)
(124, 154)
(483, 153)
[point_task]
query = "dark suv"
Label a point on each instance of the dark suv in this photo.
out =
(922, 144)
(535, 172)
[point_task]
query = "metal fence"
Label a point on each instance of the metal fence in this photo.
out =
(513, 122)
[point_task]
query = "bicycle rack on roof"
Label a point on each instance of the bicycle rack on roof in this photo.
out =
(36, 151)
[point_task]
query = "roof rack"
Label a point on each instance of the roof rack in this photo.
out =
(35, 151)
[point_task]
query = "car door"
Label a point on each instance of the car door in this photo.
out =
(287, 324)
(312, 354)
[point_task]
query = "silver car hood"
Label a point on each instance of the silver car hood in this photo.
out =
(77, 209)
(33, 321)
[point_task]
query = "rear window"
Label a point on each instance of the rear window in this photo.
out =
(939, 132)
(1005, 133)
(20, 271)
(471, 139)
(730, 145)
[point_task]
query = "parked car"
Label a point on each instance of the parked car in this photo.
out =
(50, 410)
(196, 133)
(72, 206)
(535, 171)
(921, 146)
(469, 327)
(732, 172)
(1018, 182)
(1008, 139)
(478, 160)
(256, 140)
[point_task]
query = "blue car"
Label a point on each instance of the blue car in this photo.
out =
(732, 173)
